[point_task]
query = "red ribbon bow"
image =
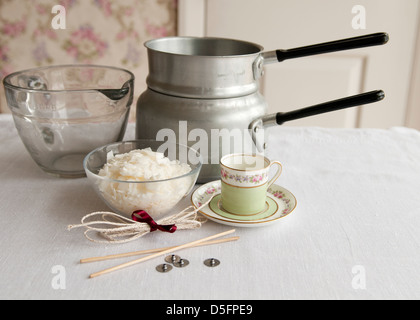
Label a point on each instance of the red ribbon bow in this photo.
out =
(143, 216)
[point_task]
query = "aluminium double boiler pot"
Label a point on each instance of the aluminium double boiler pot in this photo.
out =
(199, 87)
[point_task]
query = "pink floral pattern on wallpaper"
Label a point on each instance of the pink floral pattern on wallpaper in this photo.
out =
(9, 30)
(107, 32)
(14, 29)
(85, 45)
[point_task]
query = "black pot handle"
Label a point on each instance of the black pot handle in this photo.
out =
(348, 102)
(281, 117)
(369, 40)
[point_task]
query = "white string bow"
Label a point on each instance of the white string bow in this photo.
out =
(122, 229)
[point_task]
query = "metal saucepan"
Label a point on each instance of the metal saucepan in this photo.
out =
(213, 68)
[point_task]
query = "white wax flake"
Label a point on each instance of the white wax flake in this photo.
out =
(109, 155)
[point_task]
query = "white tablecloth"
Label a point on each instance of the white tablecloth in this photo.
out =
(354, 235)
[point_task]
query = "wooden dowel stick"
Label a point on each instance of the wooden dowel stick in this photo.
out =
(138, 253)
(155, 255)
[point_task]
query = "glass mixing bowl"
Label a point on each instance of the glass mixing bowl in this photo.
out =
(156, 197)
(63, 112)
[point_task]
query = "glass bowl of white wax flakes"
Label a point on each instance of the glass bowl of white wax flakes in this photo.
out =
(143, 175)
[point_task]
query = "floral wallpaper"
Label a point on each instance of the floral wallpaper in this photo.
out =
(105, 32)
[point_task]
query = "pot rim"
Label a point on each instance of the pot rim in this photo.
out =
(258, 48)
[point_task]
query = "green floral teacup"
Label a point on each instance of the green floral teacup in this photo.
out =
(245, 182)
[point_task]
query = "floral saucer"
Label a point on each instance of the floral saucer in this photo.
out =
(280, 203)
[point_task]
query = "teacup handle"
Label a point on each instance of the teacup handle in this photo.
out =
(278, 173)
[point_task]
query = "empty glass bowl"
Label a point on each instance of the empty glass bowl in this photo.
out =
(64, 112)
(156, 197)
